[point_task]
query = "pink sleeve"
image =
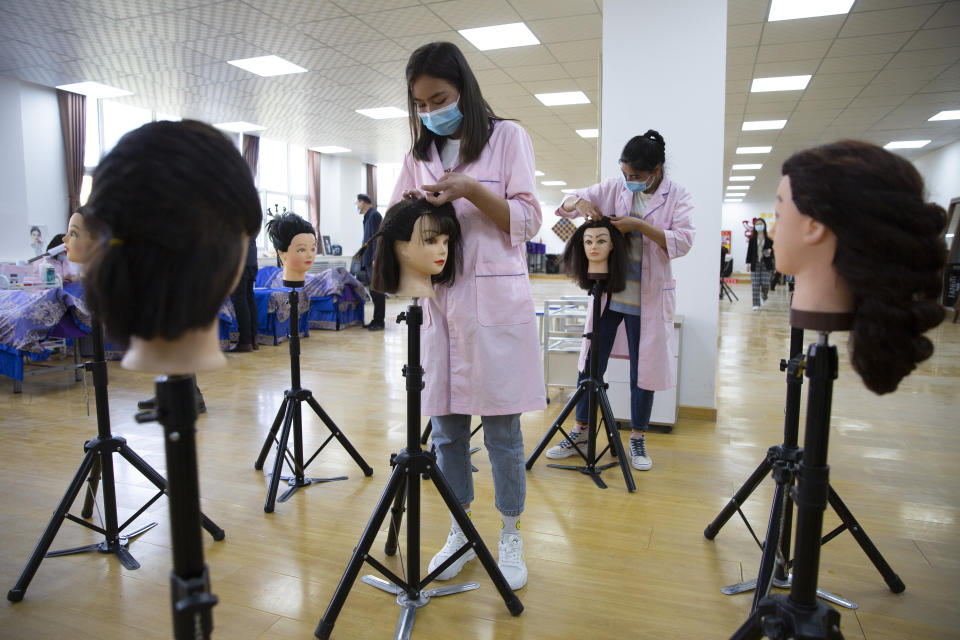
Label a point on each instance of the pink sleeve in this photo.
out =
(680, 235)
(520, 185)
(603, 195)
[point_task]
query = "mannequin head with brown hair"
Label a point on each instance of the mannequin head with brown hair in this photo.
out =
(170, 213)
(419, 246)
(853, 227)
(597, 248)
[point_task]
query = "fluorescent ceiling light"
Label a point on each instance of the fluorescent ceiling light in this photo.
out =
(793, 9)
(782, 83)
(745, 166)
(746, 150)
(733, 200)
(562, 98)
(239, 126)
(763, 125)
(539, 173)
(94, 90)
(383, 113)
(742, 178)
(738, 187)
(571, 190)
(946, 115)
(267, 66)
(501, 36)
(330, 149)
(906, 144)
(554, 183)
(588, 133)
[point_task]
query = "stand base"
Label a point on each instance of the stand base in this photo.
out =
(588, 470)
(409, 605)
(780, 618)
(119, 548)
(296, 483)
(750, 585)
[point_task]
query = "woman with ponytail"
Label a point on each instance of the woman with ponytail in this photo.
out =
(657, 213)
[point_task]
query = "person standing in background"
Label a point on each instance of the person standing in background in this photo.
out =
(371, 223)
(244, 304)
(759, 262)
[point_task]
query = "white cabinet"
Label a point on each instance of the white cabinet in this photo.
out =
(664, 402)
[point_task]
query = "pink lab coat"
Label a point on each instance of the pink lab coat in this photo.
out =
(671, 209)
(480, 347)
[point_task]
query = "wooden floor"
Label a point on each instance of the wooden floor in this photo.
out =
(603, 563)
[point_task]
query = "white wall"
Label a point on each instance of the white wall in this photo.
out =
(341, 179)
(941, 173)
(653, 79)
(33, 188)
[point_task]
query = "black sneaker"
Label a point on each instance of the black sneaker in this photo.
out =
(375, 326)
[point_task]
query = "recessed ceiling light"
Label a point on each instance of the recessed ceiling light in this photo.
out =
(554, 183)
(239, 126)
(763, 125)
(383, 113)
(330, 149)
(782, 83)
(94, 90)
(733, 199)
(738, 187)
(745, 166)
(906, 144)
(501, 36)
(562, 97)
(588, 133)
(570, 190)
(267, 66)
(742, 178)
(946, 115)
(747, 150)
(793, 9)
(539, 173)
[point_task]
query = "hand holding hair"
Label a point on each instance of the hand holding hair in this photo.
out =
(449, 188)
(589, 210)
(411, 194)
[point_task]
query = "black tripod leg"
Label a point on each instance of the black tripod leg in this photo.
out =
(43, 545)
(338, 434)
(281, 456)
(892, 579)
(615, 443)
(751, 629)
(466, 525)
(738, 499)
(160, 482)
(92, 483)
(271, 436)
(396, 519)
(427, 430)
(561, 418)
(768, 558)
(394, 486)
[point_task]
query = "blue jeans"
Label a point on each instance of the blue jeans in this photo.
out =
(641, 400)
(504, 442)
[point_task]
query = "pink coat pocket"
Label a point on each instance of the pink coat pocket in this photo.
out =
(503, 294)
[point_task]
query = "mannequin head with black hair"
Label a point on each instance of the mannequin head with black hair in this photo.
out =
(170, 213)
(853, 227)
(420, 246)
(296, 243)
(641, 162)
(597, 248)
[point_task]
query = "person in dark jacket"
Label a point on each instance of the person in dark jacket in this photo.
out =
(760, 262)
(371, 223)
(244, 304)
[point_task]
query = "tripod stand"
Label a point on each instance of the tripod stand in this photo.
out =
(98, 461)
(408, 466)
(596, 391)
(727, 290)
(290, 415)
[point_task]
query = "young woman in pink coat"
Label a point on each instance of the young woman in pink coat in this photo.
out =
(657, 213)
(480, 346)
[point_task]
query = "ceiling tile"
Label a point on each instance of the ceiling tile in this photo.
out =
(294, 12)
(538, 72)
(744, 35)
(739, 72)
(521, 56)
(746, 11)
(583, 68)
(469, 14)
(807, 30)
(887, 21)
(410, 21)
(538, 10)
(338, 31)
(370, 51)
(487, 77)
(925, 58)
(934, 38)
(793, 51)
(567, 29)
(947, 16)
(742, 55)
(576, 50)
(852, 64)
(792, 68)
(171, 27)
(227, 48)
(864, 45)
(856, 79)
(232, 16)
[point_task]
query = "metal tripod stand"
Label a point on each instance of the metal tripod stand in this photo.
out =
(785, 461)
(96, 463)
(404, 483)
(290, 416)
(596, 390)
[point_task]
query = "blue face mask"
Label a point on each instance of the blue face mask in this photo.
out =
(443, 121)
(638, 187)
(357, 209)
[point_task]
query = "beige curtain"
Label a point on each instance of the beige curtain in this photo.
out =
(73, 126)
(251, 152)
(372, 183)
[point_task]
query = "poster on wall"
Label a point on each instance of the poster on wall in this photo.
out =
(38, 239)
(725, 239)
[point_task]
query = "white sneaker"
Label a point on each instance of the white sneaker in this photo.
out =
(566, 448)
(455, 540)
(511, 563)
(638, 454)
(755, 308)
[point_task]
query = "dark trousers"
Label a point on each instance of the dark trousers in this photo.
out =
(379, 306)
(245, 306)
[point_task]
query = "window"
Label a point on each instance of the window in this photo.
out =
(281, 181)
(118, 119)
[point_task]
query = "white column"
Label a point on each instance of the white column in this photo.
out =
(663, 69)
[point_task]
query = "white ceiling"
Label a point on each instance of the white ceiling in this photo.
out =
(879, 72)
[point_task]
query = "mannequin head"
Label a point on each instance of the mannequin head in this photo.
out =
(418, 245)
(296, 243)
(597, 248)
(852, 226)
(170, 213)
(77, 240)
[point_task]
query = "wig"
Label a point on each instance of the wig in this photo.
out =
(574, 263)
(890, 251)
(170, 212)
(398, 224)
(283, 228)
